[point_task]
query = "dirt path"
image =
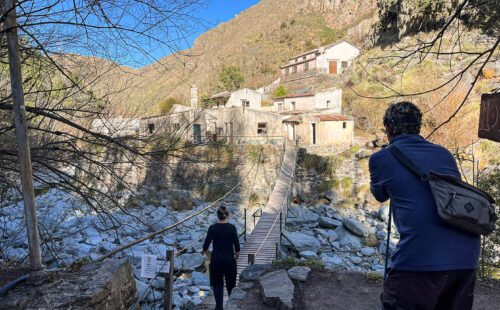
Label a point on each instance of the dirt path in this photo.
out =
(328, 290)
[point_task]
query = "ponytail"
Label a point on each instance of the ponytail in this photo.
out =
(222, 213)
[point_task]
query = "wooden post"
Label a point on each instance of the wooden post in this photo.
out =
(251, 259)
(169, 281)
(23, 147)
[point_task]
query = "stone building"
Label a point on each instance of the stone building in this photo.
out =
(306, 101)
(329, 59)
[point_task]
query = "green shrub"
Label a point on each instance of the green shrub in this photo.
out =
(328, 185)
(281, 91)
(290, 262)
(317, 163)
(346, 182)
(167, 104)
(215, 191)
(374, 277)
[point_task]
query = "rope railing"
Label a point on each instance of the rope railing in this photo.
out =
(160, 231)
(148, 290)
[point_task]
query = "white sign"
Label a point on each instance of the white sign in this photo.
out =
(148, 266)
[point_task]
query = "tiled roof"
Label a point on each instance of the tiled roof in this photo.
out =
(331, 117)
(225, 94)
(308, 94)
(294, 118)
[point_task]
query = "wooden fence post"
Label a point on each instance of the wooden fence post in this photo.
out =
(251, 259)
(169, 279)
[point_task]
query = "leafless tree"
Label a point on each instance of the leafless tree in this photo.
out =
(57, 90)
(463, 63)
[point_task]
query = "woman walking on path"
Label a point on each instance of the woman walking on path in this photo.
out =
(225, 254)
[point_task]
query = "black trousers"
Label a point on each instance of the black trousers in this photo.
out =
(433, 290)
(220, 271)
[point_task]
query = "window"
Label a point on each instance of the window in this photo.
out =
(296, 60)
(280, 106)
(294, 69)
(328, 104)
(219, 131)
(247, 104)
(292, 106)
(261, 128)
(344, 125)
(344, 64)
(306, 66)
(304, 58)
(151, 128)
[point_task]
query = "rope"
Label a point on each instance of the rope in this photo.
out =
(150, 283)
(176, 224)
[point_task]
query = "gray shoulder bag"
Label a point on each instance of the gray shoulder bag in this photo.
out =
(458, 203)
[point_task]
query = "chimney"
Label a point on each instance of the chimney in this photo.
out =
(194, 98)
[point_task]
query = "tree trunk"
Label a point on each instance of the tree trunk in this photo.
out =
(22, 139)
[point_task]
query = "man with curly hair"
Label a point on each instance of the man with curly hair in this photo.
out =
(434, 264)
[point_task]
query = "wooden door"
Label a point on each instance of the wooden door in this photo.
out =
(333, 67)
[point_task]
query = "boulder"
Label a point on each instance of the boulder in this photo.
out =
(381, 235)
(109, 284)
(302, 242)
(254, 272)
(356, 260)
(332, 262)
(326, 222)
(277, 290)
(332, 235)
(301, 216)
(347, 239)
(355, 226)
(237, 294)
(367, 251)
(200, 278)
(191, 261)
(299, 273)
(331, 195)
(308, 254)
(383, 213)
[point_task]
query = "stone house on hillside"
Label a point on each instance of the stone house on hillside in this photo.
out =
(318, 129)
(329, 59)
(308, 101)
(244, 98)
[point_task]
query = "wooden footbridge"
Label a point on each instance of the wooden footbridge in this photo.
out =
(261, 245)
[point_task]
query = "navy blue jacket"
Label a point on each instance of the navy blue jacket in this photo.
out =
(426, 243)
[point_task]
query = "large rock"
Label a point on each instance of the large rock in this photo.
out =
(332, 236)
(200, 279)
(301, 216)
(327, 222)
(383, 213)
(302, 242)
(277, 290)
(347, 239)
(367, 251)
(332, 262)
(331, 195)
(355, 226)
(191, 261)
(299, 273)
(254, 272)
(105, 285)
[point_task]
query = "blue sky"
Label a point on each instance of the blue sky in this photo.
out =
(215, 12)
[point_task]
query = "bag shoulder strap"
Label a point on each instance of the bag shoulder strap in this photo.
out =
(405, 161)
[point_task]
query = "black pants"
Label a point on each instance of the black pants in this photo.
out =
(436, 290)
(220, 271)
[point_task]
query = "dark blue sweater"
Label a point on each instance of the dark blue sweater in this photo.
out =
(426, 243)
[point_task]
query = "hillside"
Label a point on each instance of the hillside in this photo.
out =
(258, 40)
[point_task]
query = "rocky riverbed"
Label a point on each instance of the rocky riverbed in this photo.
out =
(348, 239)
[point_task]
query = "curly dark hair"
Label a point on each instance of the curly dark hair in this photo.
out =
(403, 118)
